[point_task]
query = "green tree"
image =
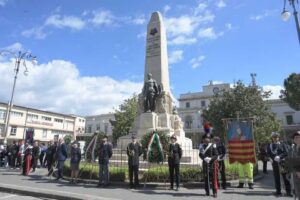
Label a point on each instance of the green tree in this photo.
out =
(243, 102)
(68, 139)
(291, 93)
(124, 117)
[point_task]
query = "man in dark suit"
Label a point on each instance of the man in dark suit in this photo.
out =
(174, 156)
(134, 151)
(61, 156)
(35, 155)
(105, 153)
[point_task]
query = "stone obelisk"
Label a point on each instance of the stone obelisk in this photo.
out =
(156, 61)
(164, 116)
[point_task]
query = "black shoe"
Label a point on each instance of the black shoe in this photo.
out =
(278, 194)
(177, 189)
(241, 185)
(250, 186)
(99, 185)
(215, 195)
(288, 194)
(207, 194)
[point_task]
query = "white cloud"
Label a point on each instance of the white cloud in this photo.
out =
(139, 20)
(3, 2)
(221, 4)
(14, 47)
(175, 56)
(102, 17)
(57, 86)
(228, 26)
(72, 22)
(200, 8)
(266, 13)
(209, 33)
(142, 35)
(36, 32)
(185, 24)
(275, 89)
(182, 40)
(166, 8)
(196, 62)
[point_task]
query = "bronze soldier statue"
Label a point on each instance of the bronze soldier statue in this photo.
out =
(150, 92)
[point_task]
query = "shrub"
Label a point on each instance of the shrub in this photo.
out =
(91, 171)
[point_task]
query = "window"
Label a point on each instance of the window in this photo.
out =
(89, 128)
(1, 130)
(58, 120)
(44, 133)
(106, 128)
(2, 114)
(203, 103)
(46, 118)
(289, 119)
(188, 122)
(16, 114)
(32, 117)
(83, 120)
(187, 104)
(13, 130)
(98, 127)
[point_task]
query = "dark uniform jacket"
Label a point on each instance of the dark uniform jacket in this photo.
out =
(221, 150)
(134, 151)
(105, 153)
(208, 150)
(75, 155)
(277, 149)
(50, 154)
(36, 151)
(174, 153)
(61, 152)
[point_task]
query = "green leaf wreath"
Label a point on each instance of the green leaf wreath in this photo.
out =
(156, 144)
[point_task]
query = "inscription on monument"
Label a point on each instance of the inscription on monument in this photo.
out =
(153, 47)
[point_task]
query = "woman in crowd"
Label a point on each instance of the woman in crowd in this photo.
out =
(74, 162)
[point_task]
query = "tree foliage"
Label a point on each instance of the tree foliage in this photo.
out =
(291, 93)
(243, 102)
(124, 117)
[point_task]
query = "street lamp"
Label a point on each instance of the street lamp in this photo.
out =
(286, 15)
(20, 57)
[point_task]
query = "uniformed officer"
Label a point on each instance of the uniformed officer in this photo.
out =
(277, 152)
(174, 156)
(221, 156)
(134, 151)
(209, 154)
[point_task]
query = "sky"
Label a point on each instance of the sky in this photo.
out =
(91, 53)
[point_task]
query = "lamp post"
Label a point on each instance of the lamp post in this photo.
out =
(19, 57)
(286, 15)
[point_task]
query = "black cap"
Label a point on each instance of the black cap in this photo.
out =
(207, 135)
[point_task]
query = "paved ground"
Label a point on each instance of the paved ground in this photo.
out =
(39, 183)
(9, 196)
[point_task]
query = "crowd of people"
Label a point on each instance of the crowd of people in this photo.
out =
(283, 157)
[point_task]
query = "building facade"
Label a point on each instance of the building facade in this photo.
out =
(100, 123)
(289, 118)
(40, 125)
(191, 106)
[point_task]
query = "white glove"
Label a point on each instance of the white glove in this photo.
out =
(207, 159)
(277, 159)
